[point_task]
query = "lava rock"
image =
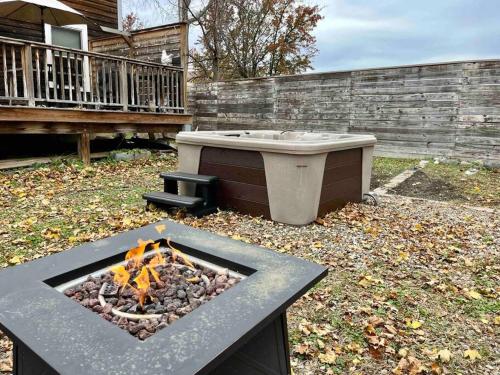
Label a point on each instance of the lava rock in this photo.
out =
(170, 292)
(200, 291)
(94, 294)
(107, 308)
(133, 309)
(108, 317)
(172, 318)
(89, 285)
(133, 329)
(160, 284)
(181, 294)
(143, 335)
(184, 310)
(161, 326)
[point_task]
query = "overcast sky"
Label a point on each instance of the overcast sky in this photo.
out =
(369, 33)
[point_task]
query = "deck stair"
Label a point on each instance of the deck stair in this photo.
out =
(203, 203)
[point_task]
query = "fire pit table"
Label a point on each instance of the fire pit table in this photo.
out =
(240, 328)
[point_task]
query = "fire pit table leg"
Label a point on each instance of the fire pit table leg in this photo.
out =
(25, 362)
(267, 353)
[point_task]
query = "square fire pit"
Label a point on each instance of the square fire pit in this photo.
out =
(242, 330)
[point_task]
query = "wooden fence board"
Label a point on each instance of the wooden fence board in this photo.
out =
(450, 109)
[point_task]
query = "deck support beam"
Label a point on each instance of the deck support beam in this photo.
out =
(84, 147)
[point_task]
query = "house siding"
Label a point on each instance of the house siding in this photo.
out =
(102, 13)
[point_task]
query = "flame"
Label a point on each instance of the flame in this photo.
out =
(142, 242)
(142, 282)
(155, 262)
(159, 256)
(177, 252)
(137, 253)
(136, 256)
(153, 272)
(121, 276)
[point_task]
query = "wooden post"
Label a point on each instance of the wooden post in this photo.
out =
(124, 85)
(84, 147)
(27, 64)
(184, 46)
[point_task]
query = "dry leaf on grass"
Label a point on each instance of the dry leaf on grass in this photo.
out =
(328, 357)
(472, 354)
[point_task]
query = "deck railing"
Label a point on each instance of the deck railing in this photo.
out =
(36, 74)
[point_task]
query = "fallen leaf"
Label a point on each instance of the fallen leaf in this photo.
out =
(301, 348)
(403, 256)
(328, 357)
(160, 228)
(473, 294)
(472, 354)
(375, 321)
(413, 324)
(403, 352)
(444, 355)
(391, 329)
(436, 369)
(320, 343)
(15, 260)
(368, 280)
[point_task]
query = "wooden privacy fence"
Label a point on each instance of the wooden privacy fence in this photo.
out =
(450, 109)
(35, 74)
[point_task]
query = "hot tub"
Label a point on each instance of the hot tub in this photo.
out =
(291, 177)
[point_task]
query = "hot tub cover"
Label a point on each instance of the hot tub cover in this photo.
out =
(292, 142)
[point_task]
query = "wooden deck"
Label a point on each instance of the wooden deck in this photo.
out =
(39, 120)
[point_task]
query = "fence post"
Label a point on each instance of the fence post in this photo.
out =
(124, 85)
(28, 84)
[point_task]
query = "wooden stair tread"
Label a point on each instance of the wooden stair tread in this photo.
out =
(172, 199)
(188, 177)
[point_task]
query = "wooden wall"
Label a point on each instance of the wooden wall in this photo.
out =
(450, 109)
(147, 44)
(101, 12)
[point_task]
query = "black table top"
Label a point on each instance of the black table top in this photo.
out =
(74, 340)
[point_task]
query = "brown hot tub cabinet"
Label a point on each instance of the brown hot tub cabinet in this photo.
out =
(290, 177)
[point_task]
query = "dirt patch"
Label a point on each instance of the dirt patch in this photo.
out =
(378, 181)
(420, 185)
(384, 169)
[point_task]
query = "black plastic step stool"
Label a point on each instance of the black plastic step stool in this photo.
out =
(203, 203)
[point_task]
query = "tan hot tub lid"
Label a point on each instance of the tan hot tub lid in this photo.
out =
(293, 142)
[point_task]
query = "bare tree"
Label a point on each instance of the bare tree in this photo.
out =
(250, 38)
(132, 22)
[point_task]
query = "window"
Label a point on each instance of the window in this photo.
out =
(66, 37)
(71, 36)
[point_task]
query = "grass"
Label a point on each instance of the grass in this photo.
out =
(51, 208)
(481, 188)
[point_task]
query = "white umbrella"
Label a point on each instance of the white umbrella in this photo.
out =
(41, 11)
